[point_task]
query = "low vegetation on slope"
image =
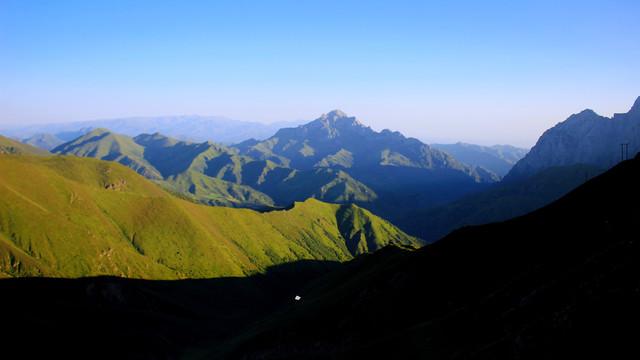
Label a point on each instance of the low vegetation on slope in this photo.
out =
(100, 218)
(214, 175)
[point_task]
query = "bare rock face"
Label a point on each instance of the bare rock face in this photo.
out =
(585, 138)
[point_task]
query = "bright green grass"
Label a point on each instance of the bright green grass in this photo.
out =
(71, 217)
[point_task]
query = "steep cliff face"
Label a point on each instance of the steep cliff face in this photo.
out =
(586, 138)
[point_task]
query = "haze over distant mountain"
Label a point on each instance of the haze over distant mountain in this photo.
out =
(46, 141)
(584, 145)
(10, 146)
(586, 138)
(391, 164)
(194, 128)
(497, 158)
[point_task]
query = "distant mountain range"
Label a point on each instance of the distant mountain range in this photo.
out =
(193, 128)
(585, 138)
(46, 141)
(334, 158)
(214, 175)
(557, 282)
(498, 158)
(392, 165)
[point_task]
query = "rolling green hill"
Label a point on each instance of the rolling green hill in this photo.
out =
(213, 175)
(9, 146)
(100, 218)
(102, 144)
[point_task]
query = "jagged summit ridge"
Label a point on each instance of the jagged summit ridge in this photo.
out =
(329, 126)
(338, 120)
(634, 111)
(586, 138)
(337, 113)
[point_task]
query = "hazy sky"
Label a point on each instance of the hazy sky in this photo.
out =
(476, 71)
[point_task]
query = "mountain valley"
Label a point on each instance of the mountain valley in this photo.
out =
(325, 240)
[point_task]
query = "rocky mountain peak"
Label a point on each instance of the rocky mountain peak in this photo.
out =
(334, 124)
(635, 109)
(335, 114)
(337, 117)
(585, 138)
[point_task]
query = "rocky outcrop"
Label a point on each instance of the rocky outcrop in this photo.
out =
(585, 138)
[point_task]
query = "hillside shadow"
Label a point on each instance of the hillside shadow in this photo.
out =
(110, 317)
(92, 139)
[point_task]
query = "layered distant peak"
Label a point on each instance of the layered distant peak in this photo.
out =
(328, 126)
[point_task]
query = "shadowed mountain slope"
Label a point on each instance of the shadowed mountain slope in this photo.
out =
(100, 218)
(559, 282)
(502, 202)
(387, 162)
(213, 175)
(120, 318)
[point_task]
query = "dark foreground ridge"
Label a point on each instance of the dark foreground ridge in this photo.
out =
(561, 282)
(118, 318)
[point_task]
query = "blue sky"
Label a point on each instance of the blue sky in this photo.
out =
(476, 71)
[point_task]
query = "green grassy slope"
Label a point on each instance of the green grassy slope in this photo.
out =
(213, 191)
(283, 185)
(103, 144)
(84, 217)
(214, 175)
(9, 146)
